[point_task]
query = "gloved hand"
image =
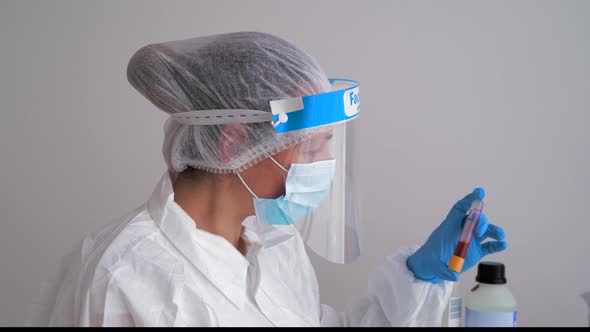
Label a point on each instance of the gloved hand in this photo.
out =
(429, 263)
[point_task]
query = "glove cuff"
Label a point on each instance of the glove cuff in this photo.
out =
(418, 274)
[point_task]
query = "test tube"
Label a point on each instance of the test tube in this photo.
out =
(471, 220)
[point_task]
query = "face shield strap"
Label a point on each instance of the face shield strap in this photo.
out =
(221, 116)
(340, 105)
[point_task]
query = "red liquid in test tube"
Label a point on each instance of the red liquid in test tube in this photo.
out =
(456, 262)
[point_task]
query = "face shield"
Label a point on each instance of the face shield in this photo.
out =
(319, 197)
(330, 230)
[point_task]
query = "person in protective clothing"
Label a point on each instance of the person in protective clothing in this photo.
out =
(222, 239)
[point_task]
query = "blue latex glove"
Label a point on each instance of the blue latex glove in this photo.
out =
(429, 263)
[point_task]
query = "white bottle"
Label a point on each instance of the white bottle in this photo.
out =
(490, 303)
(454, 310)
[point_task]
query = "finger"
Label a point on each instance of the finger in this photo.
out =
(461, 207)
(491, 247)
(495, 232)
(482, 225)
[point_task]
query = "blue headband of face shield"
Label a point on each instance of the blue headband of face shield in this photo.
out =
(291, 114)
(318, 110)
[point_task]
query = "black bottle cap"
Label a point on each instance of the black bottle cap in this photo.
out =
(491, 273)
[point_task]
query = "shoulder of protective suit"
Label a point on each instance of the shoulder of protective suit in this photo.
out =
(133, 271)
(136, 241)
(123, 274)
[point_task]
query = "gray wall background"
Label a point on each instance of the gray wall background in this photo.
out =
(456, 94)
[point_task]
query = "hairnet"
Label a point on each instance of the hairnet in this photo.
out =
(243, 70)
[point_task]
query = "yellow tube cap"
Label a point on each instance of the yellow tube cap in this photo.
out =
(456, 264)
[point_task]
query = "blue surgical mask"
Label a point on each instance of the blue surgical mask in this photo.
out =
(307, 185)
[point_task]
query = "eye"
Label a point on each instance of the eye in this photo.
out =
(309, 156)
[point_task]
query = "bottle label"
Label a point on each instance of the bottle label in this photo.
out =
(454, 314)
(474, 318)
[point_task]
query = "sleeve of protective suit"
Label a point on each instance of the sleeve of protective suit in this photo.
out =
(394, 298)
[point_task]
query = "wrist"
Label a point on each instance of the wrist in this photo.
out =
(419, 273)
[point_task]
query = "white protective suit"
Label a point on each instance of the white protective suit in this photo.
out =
(155, 268)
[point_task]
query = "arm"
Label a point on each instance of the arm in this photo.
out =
(395, 297)
(413, 287)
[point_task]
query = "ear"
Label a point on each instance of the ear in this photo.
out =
(232, 136)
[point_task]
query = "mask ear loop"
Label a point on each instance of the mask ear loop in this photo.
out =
(245, 185)
(277, 163)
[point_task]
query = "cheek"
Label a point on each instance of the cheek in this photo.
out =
(305, 158)
(326, 153)
(279, 183)
(272, 181)
(289, 156)
(279, 190)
